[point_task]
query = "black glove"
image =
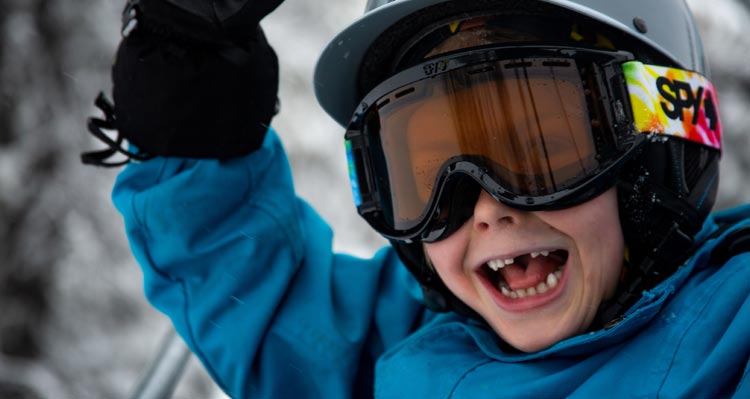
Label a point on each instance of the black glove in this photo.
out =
(192, 78)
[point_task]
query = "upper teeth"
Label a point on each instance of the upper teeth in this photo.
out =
(543, 253)
(497, 264)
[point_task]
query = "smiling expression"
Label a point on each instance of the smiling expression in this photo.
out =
(535, 277)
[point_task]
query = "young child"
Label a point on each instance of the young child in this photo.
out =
(544, 171)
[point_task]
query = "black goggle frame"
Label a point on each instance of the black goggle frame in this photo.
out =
(443, 213)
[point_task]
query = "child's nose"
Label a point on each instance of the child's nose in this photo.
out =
(490, 213)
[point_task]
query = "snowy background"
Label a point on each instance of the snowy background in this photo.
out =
(73, 321)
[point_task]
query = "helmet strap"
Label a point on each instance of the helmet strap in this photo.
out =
(647, 273)
(659, 225)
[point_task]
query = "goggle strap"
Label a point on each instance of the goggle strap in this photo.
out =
(673, 102)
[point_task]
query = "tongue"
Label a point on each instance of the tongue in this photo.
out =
(534, 273)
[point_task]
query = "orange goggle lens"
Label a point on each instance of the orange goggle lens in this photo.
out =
(528, 121)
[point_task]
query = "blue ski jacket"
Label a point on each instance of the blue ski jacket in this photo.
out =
(245, 271)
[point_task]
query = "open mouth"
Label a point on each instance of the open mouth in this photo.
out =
(527, 275)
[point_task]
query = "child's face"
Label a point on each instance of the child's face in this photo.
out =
(586, 253)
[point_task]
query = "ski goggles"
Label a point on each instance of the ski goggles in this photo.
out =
(538, 128)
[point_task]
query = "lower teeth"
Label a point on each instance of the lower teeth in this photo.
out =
(550, 282)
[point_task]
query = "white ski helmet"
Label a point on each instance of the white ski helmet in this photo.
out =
(666, 26)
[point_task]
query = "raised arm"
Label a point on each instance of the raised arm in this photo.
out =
(242, 266)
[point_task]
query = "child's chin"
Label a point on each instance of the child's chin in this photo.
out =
(533, 345)
(531, 338)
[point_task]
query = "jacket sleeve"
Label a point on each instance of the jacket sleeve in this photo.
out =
(246, 273)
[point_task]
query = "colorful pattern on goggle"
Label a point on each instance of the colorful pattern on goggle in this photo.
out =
(353, 180)
(673, 102)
